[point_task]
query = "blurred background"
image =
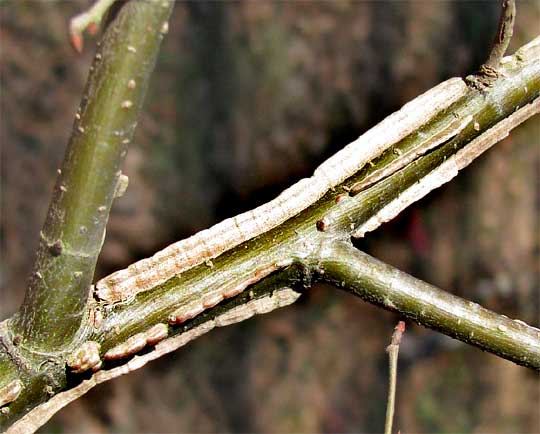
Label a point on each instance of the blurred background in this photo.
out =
(247, 98)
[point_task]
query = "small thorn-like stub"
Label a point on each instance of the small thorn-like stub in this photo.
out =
(80, 129)
(399, 329)
(165, 28)
(504, 34)
(322, 224)
(131, 49)
(127, 104)
(10, 392)
(131, 84)
(489, 71)
(476, 126)
(56, 248)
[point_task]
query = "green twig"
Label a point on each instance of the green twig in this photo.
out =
(51, 322)
(383, 285)
(504, 34)
(74, 229)
(489, 71)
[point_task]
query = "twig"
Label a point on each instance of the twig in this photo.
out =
(372, 280)
(393, 351)
(51, 322)
(488, 72)
(450, 168)
(504, 34)
(74, 229)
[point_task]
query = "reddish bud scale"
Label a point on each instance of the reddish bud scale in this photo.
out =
(76, 42)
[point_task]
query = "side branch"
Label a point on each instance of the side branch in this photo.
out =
(490, 70)
(372, 280)
(505, 31)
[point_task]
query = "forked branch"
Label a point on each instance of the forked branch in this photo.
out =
(263, 259)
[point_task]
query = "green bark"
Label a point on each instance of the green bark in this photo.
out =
(51, 321)
(345, 266)
(315, 241)
(299, 239)
(74, 229)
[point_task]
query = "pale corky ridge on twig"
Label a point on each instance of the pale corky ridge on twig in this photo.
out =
(39, 415)
(178, 257)
(449, 169)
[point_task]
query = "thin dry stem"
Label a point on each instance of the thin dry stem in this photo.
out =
(393, 351)
(504, 33)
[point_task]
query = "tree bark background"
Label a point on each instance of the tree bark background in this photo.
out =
(247, 98)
